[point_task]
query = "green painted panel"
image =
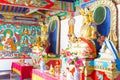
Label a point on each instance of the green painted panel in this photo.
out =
(99, 14)
(53, 25)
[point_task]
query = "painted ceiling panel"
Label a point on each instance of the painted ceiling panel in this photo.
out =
(9, 8)
(41, 7)
(45, 8)
(43, 4)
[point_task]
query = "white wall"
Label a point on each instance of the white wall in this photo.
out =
(5, 64)
(64, 31)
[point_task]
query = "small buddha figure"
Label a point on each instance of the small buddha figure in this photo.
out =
(25, 31)
(33, 32)
(25, 41)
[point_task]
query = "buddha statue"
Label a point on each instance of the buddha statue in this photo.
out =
(87, 30)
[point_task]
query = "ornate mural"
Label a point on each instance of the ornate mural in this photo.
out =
(18, 39)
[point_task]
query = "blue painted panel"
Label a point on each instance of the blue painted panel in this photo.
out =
(1, 16)
(19, 9)
(118, 64)
(3, 7)
(105, 65)
(97, 44)
(25, 18)
(91, 63)
(16, 8)
(53, 39)
(12, 9)
(24, 10)
(95, 63)
(6, 8)
(104, 28)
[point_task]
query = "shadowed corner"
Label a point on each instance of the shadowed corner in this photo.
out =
(4, 75)
(7, 75)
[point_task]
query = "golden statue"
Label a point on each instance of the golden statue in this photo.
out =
(87, 31)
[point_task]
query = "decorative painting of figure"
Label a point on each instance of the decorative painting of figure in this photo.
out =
(38, 30)
(25, 31)
(33, 31)
(33, 34)
(25, 42)
(8, 41)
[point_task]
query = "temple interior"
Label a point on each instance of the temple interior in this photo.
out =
(59, 40)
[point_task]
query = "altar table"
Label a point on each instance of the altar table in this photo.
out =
(24, 70)
(38, 75)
